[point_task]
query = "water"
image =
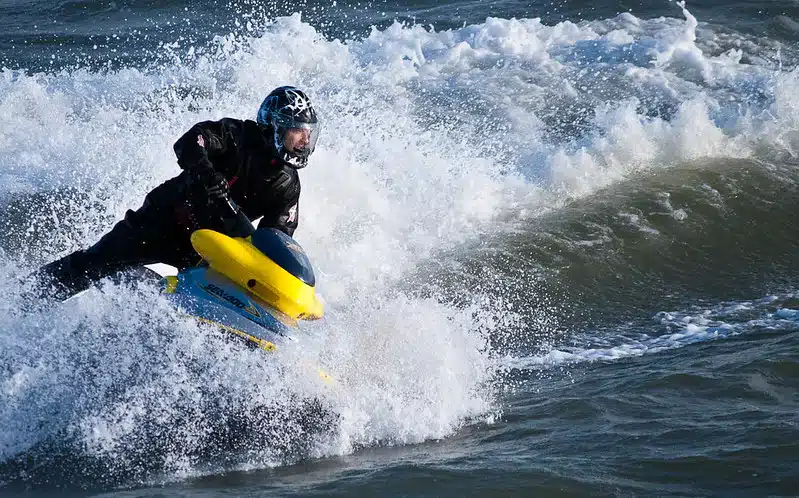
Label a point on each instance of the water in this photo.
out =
(555, 241)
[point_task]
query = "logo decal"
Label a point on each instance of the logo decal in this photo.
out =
(297, 102)
(235, 301)
(201, 141)
(292, 213)
(251, 309)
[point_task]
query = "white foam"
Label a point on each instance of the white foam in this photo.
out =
(682, 328)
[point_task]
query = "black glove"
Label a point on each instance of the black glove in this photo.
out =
(218, 189)
(212, 183)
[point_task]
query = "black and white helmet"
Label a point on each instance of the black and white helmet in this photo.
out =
(285, 108)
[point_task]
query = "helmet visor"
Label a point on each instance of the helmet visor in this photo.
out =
(300, 139)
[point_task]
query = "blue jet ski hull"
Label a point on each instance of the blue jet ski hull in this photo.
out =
(211, 297)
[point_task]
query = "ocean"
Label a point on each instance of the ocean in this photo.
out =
(555, 241)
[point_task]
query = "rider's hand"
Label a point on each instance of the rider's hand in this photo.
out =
(212, 183)
(218, 188)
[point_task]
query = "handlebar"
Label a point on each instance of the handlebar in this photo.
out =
(236, 223)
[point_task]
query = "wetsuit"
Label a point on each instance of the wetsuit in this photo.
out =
(260, 183)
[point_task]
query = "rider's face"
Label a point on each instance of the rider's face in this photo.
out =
(296, 139)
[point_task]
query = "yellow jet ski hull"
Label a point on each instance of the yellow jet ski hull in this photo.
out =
(243, 263)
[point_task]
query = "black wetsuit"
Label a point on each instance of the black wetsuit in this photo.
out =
(261, 184)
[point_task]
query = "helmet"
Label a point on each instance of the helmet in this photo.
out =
(289, 108)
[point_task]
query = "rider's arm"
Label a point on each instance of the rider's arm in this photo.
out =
(204, 139)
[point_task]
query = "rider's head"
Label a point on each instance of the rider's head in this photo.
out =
(290, 115)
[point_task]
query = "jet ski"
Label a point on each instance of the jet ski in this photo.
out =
(256, 284)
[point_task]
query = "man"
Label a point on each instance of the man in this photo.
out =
(252, 163)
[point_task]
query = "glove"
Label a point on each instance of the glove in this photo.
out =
(213, 183)
(218, 189)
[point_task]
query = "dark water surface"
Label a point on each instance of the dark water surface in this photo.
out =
(556, 241)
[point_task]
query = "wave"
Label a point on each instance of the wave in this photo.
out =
(466, 181)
